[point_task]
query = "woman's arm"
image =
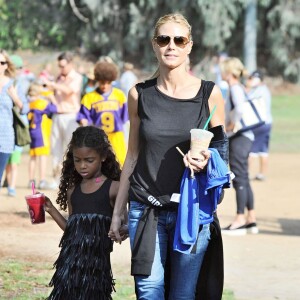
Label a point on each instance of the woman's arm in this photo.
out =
(12, 92)
(218, 118)
(217, 99)
(129, 165)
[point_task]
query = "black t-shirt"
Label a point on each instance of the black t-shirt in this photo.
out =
(165, 124)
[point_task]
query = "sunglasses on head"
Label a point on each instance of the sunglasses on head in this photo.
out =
(164, 40)
(3, 63)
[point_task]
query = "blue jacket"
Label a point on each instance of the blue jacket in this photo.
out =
(198, 201)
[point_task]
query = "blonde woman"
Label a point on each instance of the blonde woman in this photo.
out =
(162, 111)
(239, 148)
(8, 98)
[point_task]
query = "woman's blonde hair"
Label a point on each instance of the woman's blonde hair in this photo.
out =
(174, 18)
(10, 71)
(232, 65)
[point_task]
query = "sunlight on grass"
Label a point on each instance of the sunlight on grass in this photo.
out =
(20, 280)
(285, 136)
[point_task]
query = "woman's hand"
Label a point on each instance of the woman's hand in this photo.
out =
(115, 229)
(199, 164)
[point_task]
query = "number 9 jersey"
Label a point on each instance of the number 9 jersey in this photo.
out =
(109, 112)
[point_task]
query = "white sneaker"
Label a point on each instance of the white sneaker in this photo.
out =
(44, 185)
(252, 228)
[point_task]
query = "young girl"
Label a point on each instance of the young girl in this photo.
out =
(88, 188)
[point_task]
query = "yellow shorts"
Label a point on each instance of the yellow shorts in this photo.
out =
(117, 141)
(40, 151)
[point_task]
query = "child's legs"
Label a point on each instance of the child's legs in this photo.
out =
(31, 167)
(12, 167)
(3, 160)
(185, 268)
(42, 166)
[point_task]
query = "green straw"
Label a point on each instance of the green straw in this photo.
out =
(210, 116)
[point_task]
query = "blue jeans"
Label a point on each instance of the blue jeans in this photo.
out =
(185, 268)
(3, 160)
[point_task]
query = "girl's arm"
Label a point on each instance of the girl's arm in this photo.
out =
(129, 165)
(55, 214)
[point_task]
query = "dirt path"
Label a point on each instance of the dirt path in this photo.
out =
(264, 266)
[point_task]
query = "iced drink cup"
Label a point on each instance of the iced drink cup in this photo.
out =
(200, 140)
(36, 208)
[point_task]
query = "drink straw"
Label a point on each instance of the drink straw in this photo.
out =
(210, 116)
(33, 187)
(191, 169)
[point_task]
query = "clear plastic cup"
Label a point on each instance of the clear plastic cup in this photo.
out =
(36, 208)
(200, 140)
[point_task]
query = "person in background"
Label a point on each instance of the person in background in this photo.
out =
(162, 112)
(67, 90)
(88, 187)
(46, 73)
(223, 85)
(106, 108)
(89, 83)
(8, 98)
(239, 148)
(43, 106)
(22, 81)
(260, 147)
(127, 79)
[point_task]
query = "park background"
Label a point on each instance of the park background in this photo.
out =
(266, 266)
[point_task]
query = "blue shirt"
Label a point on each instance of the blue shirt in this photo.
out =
(7, 135)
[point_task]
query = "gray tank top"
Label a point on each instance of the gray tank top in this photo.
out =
(165, 124)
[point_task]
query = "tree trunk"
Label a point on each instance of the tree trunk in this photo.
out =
(250, 35)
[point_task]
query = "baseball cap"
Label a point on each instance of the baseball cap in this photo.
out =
(257, 74)
(17, 61)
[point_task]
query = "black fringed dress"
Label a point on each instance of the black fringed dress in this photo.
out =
(83, 269)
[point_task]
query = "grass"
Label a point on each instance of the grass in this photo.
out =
(285, 135)
(22, 280)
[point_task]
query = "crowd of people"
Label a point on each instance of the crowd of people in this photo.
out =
(54, 106)
(82, 120)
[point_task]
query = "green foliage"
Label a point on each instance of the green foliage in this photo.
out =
(286, 124)
(123, 29)
(35, 24)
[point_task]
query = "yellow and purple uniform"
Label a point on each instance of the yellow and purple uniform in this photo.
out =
(40, 124)
(109, 112)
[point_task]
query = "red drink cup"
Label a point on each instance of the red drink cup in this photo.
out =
(36, 208)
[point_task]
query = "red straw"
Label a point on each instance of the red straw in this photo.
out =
(33, 188)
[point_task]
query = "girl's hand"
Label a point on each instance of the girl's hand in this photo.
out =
(196, 165)
(48, 204)
(124, 232)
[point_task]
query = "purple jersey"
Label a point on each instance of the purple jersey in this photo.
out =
(109, 112)
(40, 123)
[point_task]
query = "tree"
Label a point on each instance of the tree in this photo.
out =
(250, 35)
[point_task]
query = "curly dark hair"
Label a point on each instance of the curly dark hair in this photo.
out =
(106, 71)
(91, 137)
